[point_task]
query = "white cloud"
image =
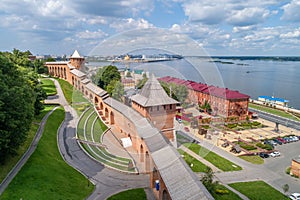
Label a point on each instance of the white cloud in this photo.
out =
(293, 34)
(209, 14)
(91, 34)
(291, 11)
(236, 12)
(238, 29)
(129, 24)
(248, 16)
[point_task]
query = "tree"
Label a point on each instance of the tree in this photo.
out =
(17, 98)
(207, 180)
(180, 92)
(115, 89)
(105, 75)
(206, 106)
(285, 188)
(142, 82)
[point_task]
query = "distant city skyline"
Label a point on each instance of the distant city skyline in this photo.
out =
(220, 27)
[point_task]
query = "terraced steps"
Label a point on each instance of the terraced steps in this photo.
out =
(89, 133)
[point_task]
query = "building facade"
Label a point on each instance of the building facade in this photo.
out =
(223, 101)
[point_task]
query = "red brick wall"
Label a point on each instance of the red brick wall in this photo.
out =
(295, 168)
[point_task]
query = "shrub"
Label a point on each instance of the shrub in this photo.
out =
(255, 123)
(288, 170)
(231, 126)
(264, 146)
(246, 146)
(221, 192)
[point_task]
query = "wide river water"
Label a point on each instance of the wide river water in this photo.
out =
(251, 77)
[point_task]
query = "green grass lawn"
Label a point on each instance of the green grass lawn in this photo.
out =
(197, 165)
(48, 86)
(46, 175)
(218, 161)
(273, 111)
(229, 196)
(253, 159)
(258, 190)
(12, 160)
(136, 194)
(72, 95)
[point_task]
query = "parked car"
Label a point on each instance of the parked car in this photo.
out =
(295, 196)
(294, 138)
(263, 155)
(287, 139)
(281, 140)
(274, 154)
(277, 141)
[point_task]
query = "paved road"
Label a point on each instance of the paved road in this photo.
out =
(26, 155)
(107, 181)
(277, 119)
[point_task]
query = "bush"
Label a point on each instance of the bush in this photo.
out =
(288, 170)
(246, 146)
(264, 146)
(231, 126)
(221, 192)
(255, 123)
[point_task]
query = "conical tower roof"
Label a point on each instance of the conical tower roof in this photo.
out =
(76, 55)
(153, 94)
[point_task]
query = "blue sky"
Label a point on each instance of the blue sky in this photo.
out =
(220, 27)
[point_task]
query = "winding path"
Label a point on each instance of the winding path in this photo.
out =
(107, 181)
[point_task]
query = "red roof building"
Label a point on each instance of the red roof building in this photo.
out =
(223, 101)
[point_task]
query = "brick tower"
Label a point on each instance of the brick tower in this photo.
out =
(153, 103)
(77, 60)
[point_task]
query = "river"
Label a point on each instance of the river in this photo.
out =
(251, 77)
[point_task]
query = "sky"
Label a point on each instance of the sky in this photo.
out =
(220, 27)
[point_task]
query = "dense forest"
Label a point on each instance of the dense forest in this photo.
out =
(21, 98)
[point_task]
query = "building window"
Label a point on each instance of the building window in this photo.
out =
(164, 107)
(157, 108)
(170, 106)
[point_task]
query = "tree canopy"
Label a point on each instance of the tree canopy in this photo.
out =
(178, 92)
(20, 99)
(105, 75)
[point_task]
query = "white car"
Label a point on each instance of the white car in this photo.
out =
(295, 196)
(274, 154)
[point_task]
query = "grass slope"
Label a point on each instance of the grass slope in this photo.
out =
(48, 86)
(258, 190)
(197, 165)
(218, 161)
(12, 160)
(46, 175)
(136, 194)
